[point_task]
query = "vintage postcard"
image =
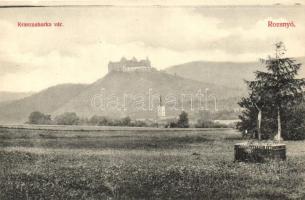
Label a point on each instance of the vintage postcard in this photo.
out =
(152, 100)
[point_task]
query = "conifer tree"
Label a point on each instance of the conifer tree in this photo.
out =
(275, 94)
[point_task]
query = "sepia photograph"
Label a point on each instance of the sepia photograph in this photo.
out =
(132, 99)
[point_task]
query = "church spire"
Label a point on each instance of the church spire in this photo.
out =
(161, 102)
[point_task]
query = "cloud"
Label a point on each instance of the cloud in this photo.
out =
(261, 33)
(36, 58)
(91, 63)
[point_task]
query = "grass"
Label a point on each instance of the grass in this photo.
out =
(57, 164)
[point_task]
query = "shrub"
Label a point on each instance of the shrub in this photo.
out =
(37, 117)
(126, 121)
(68, 118)
(209, 124)
(183, 121)
(139, 124)
(99, 120)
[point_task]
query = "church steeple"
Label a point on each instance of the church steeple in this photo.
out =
(161, 102)
(161, 109)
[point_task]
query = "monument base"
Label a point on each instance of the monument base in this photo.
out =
(259, 152)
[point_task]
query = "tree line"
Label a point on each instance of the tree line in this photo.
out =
(71, 118)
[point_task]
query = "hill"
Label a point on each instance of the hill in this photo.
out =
(45, 101)
(230, 74)
(219, 73)
(137, 94)
(118, 94)
(10, 96)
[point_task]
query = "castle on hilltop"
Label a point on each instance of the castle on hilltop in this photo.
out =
(125, 65)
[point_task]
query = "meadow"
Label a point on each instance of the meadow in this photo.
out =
(59, 163)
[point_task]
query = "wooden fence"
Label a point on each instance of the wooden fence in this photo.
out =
(259, 153)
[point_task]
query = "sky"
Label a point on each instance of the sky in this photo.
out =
(32, 59)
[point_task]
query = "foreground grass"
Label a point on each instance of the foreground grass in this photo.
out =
(142, 165)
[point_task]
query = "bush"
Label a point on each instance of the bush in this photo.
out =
(209, 124)
(99, 121)
(139, 124)
(37, 117)
(126, 121)
(171, 125)
(183, 121)
(68, 118)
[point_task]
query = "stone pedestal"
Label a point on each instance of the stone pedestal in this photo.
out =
(259, 152)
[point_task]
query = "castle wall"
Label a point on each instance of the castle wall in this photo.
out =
(130, 65)
(139, 68)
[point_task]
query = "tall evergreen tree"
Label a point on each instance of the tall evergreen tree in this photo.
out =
(277, 95)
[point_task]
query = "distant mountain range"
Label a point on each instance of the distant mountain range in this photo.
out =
(230, 74)
(45, 101)
(137, 94)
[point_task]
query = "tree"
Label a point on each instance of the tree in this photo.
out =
(68, 118)
(37, 117)
(276, 94)
(126, 121)
(99, 120)
(183, 121)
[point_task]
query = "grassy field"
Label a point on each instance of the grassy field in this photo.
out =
(140, 164)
